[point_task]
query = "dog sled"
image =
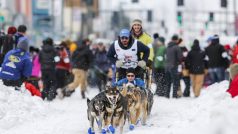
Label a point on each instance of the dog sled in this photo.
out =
(147, 78)
(147, 73)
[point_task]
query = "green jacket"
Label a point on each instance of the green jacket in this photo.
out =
(159, 60)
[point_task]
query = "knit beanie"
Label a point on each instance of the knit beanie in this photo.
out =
(23, 43)
(136, 21)
(233, 70)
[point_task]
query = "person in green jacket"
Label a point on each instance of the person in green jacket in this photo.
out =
(159, 66)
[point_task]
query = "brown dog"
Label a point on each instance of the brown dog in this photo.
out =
(137, 103)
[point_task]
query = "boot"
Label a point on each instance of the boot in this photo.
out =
(66, 92)
(186, 93)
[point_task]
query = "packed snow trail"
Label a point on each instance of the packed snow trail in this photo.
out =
(212, 113)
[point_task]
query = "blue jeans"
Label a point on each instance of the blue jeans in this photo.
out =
(216, 74)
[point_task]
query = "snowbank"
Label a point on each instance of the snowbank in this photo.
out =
(17, 107)
(214, 112)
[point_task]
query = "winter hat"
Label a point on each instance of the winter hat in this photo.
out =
(23, 43)
(11, 30)
(130, 70)
(124, 33)
(215, 39)
(233, 70)
(136, 21)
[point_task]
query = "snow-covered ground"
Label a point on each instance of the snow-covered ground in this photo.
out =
(214, 112)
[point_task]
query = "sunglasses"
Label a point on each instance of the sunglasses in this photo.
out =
(124, 38)
(130, 75)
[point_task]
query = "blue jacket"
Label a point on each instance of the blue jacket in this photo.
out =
(16, 65)
(137, 82)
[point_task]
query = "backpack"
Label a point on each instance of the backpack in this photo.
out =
(7, 43)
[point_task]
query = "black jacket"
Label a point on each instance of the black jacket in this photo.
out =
(214, 53)
(46, 57)
(195, 60)
(82, 58)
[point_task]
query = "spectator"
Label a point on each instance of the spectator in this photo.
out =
(173, 59)
(7, 42)
(235, 53)
(139, 34)
(159, 66)
(195, 62)
(184, 74)
(48, 57)
(82, 60)
(233, 88)
(17, 66)
(63, 67)
(102, 66)
(36, 69)
(216, 59)
(21, 32)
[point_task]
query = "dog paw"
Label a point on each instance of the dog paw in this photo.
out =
(104, 131)
(131, 127)
(90, 131)
(111, 129)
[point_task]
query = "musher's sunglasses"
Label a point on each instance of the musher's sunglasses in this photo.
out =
(130, 75)
(124, 38)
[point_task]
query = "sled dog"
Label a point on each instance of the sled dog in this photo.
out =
(96, 111)
(115, 109)
(137, 103)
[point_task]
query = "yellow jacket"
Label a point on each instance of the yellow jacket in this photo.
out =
(147, 40)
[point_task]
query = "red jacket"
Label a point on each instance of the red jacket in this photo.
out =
(64, 62)
(32, 89)
(235, 54)
(233, 90)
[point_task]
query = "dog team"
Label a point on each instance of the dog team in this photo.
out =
(126, 100)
